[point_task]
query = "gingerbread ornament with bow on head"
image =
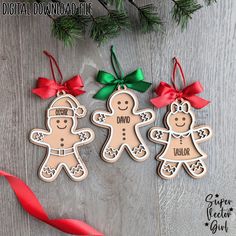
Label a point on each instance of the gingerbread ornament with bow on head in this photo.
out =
(62, 138)
(180, 137)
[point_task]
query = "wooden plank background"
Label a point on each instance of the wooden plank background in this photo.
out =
(125, 198)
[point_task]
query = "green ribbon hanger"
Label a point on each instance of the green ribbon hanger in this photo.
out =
(134, 80)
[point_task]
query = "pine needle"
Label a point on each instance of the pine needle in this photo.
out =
(103, 28)
(121, 19)
(67, 29)
(183, 11)
(149, 19)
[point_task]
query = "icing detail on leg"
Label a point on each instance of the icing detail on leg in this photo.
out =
(48, 172)
(139, 149)
(111, 152)
(170, 169)
(77, 170)
(196, 166)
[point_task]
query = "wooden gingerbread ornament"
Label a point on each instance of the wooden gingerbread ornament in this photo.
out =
(123, 119)
(62, 138)
(180, 137)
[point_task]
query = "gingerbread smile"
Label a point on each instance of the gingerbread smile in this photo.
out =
(180, 125)
(61, 127)
(123, 109)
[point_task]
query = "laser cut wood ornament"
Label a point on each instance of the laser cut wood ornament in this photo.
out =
(180, 137)
(123, 119)
(62, 138)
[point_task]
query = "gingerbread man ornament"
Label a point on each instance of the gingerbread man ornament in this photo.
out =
(123, 121)
(181, 142)
(62, 139)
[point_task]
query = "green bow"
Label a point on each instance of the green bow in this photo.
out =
(133, 80)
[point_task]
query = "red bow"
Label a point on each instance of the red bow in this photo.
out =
(31, 204)
(47, 88)
(168, 94)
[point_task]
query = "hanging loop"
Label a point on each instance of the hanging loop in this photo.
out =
(177, 65)
(54, 62)
(116, 65)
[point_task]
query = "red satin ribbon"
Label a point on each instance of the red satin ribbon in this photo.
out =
(32, 205)
(47, 88)
(168, 94)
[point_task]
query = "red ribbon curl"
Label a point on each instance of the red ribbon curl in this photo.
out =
(31, 204)
(47, 88)
(168, 94)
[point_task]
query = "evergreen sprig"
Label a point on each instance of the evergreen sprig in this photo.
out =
(149, 19)
(103, 28)
(69, 28)
(183, 11)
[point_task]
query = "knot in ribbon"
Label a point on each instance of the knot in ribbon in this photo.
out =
(134, 80)
(168, 94)
(47, 88)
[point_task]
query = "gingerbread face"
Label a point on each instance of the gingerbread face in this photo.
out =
(122, 102)
(180, 118)
(61, 124)
(180, 122)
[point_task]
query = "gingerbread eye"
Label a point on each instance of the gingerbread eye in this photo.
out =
(58, 121)
(65, 121)
(183, 118)
(176, 119)
(126, 102)
(119, 103)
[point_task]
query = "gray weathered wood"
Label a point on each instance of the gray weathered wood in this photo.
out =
(125, 198)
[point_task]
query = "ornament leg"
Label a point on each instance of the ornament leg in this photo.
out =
(50, 169)
(76, 167)
(139, 152)
(111, 151)
(195, 168)
(168, 170)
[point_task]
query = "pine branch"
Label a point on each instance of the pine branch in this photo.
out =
(209, 2)
(67, 29)
(148, 17)
(183, 11)
(103, 28)
(121, 18)
(108, 26)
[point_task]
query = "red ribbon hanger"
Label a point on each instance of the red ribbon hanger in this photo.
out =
(31, 204)
(47, 88)
(168, 94)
